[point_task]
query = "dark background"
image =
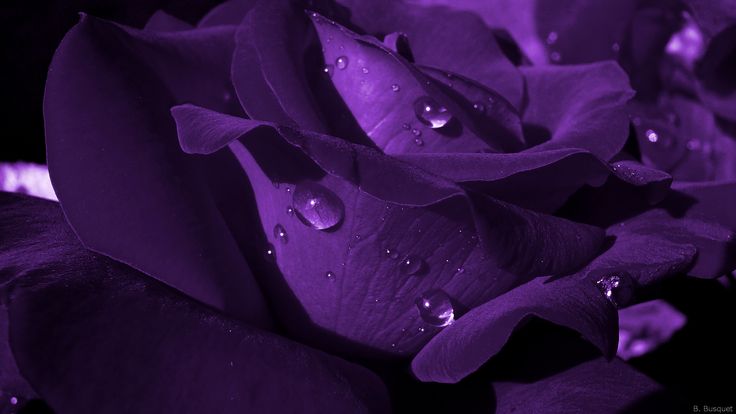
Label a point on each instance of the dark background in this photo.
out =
(31, 30)
(698, 364)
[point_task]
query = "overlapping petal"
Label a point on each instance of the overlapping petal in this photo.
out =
(115, 163)
(93, 335)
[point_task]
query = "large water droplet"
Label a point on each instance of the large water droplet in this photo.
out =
(341, 62)
(618, 288)
(317, 206)
(279, 232)
(435, 308)
(411, 265)
(431, 113)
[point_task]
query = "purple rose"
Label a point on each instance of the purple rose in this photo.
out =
(284, 206)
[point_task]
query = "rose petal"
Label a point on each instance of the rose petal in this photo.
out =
(93, 335)
(160, 21)
(717, 88)
(645, 326)
(572, 301)
(230, 12)
(386, 100)
(368, 297)
(441, 37)
(595, 386)
(713, 15)
(124, 184)
(578, 106)
(705, 201)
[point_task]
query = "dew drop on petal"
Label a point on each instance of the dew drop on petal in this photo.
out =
(341, 62)
(411, 265)
(317, 206)
(391, 253)
(555, 56)
(406, 126)
(330, 275)
(329, 69)
(431, 113)
(290, 210)
(416, 132)
(618, 288)
(13, 401)
(395, 87)
(270, 253)
(651, 135)
(418, 142)
(478, 106)
(364, 70)
(435, 308)
(551, 38)
(279, 232)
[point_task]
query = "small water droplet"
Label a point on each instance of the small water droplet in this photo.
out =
(341, 62)
(651, 135)
(459, 270)
(364, 70)
(431, 113)
(618, 288)
(416, 132)
(393, 345)
(290, 210)
(616, 47)
(288, 189)
(395, 87)
(421, 329)
(13, 400)
(330, 275)
(418, 142)
(479, 107)
(555, 56)
(270, 253)
(391, 253)
(435, 308)
(693, 144)
(406, 126)
(279, 232)
(411, 265)
(551, 38)
(317, 206)
(329, 70)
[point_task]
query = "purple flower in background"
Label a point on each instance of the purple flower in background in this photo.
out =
(324, 206)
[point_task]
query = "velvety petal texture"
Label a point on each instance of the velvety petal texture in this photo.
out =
(124, 184)
(574, 301)
(393, 212)
(94, 335)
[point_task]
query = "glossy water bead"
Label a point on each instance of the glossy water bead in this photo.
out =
(431, 113)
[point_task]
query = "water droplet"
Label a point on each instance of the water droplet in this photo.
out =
(330, 275)
(406, 126)
(364, 70)
(618, 288)
(421, 329)
(479, 107)
(288, 189)
(13, 401)
(435, 308)
(459, 270)
(341, 62)
(555, 56)
(393, 254)
(651, 135)
(416, 132)
(393, 345)
(431, 113)
(616, 47)
(395, 87)
(270, 252)
(317, 206)
(551, 38)
(693, 144)
(279, 232)
(290, 210)
(418, 142)
(329, 70)
(411, 265)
